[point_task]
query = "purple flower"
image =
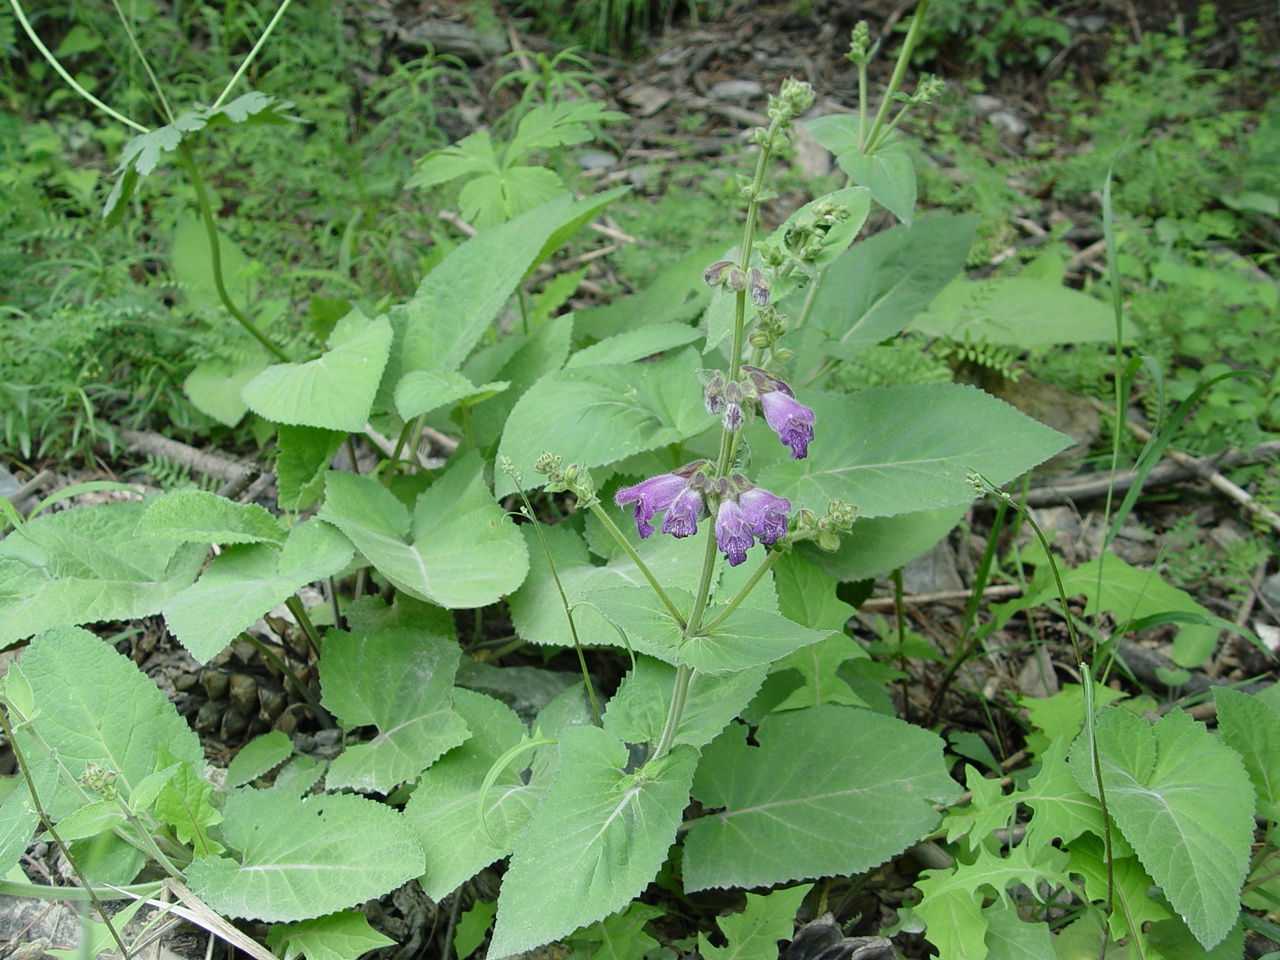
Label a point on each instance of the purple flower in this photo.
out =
(733, 532)
(682, 516)
(679, 493)
(790, 419)
(650, 496)
(765, 513)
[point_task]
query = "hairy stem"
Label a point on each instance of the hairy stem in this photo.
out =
(899, 70)
(611, 528)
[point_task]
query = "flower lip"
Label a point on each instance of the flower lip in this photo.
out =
(677, 491)
(733, 534)
(766, 513)
(790, 419)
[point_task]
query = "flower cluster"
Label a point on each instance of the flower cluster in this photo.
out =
(746, 512)
(790, 419)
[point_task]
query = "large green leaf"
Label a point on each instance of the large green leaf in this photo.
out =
(455, 303)
(1184, 801)
(445, 809)
(894, 450)
(636, 344)
(336, 936)
(1252, 728)
(1018, 312)
(636, 713)
(754, 933)
(876, 288)
(197, 516)
(829, 791)
(599, 414)
(305, 453)
(748, 637)
(596, 840)
(336, 390)
(213, 386)
(459, 549)
(401, 681)
(246, 581)
(421, 391)
(88, 564)
(299, 858)
(95, 706)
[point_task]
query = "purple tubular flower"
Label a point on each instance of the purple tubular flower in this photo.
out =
(650, 496)
(790, 419)
(765, 513)
(682, 516)
(733, 533)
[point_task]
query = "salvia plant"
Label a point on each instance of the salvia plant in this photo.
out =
(751, 743)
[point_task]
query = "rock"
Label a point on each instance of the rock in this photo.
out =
(647, 100)
(736, 90)
(982, 103)
(1270, 590)
(1008, 123)
(596, 160)
(933, 572)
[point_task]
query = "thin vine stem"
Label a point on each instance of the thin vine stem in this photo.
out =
(249, 57)
(215, 253)
(146, 64)
(62, 71)
(765, 566)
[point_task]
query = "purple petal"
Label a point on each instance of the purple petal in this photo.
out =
(650, 496)
(765, 513)
(732, 533)
(682, 516)
(790, 419)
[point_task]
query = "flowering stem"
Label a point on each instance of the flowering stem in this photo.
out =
(612, 528)
(899, 70)
(728, 441)
(747, 587)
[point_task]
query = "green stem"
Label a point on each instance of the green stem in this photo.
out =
(146, 64)
(14, 888)
(304, 620)
(742, 594)
(67, 78)
(322, 715)
(149, 842)
(215, 253)
(899, 70)
(48, 825)
(284, 5)
(893, 125)
(692, 627)
(679, 696)
(611, 528)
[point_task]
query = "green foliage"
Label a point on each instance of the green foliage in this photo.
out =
(500, 183)
(997, 34)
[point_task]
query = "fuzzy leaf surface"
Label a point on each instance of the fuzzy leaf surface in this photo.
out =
(754, 933)
(248, 580)
(910, 448)
(333, 392)
(606, 831)
(747, 638)
(337, 936)
(1182, 798)
(197, 516)
(830, 791)
(401, 681)
(444, 809)
(96, 706)
(874, 289)
(87, 564)
(1252, 728)
(1016, 311)
(599, 414)
(458, 549)
(303, 857)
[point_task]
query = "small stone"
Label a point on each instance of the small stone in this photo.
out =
(209, 716)
(215, 683)
(1270, 590)
(1009, 124)
(736, 90)
(243, 693)
(982, 103)
(596, 160)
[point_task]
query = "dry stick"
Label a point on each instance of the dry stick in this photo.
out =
(210, 464)
(1205, 470)
(990, 593)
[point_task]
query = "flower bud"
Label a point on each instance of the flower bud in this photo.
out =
(713, 395)
(714, 275)
(759, 287)
(735, 279)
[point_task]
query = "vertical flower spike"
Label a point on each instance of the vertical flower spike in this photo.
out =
(790, 419)
(733, 533)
